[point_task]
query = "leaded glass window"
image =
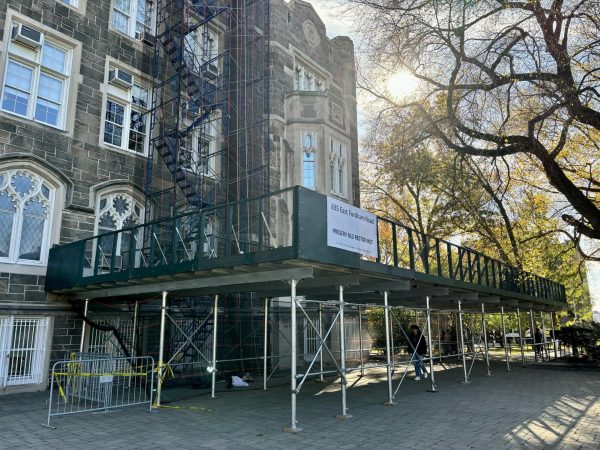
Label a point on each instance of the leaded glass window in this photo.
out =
(117, 211)
(25, 215)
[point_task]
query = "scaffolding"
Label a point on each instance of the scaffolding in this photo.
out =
(300, 295)
(210, 104)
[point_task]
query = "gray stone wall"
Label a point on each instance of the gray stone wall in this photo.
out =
(74, 156)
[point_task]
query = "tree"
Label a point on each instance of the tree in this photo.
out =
(489, 208)
(517, 80)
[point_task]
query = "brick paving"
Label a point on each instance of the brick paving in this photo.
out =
(526, 408)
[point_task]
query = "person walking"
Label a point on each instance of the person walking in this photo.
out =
(417, 347)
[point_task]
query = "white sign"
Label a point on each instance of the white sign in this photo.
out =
(351, 228)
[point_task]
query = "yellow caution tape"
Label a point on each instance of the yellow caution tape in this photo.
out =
(191, 408)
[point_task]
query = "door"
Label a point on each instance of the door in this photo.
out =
(22, 349)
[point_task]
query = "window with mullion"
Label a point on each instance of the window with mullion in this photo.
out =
(143, 18)
(17, 88)
(114, 123)
(309, 170)
(43, 78)
(25, 216)
(125, 120)
(133, 17)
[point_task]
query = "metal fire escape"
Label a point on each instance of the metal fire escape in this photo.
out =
(209, 124)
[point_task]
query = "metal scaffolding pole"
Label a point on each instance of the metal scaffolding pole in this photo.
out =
(84, 326)
(360, 341)
(392, 344)
(462, 342)
(521, 337)
(344, 414)
(213, 384)
(439, 332)
(386, 313)
(266, 344)
(161, 347)
(553, 334)
(485, 340)
(430, 343)
(135, 327)
(504, 338)
(533, 333)
(294, 344)
(321, 334)
(543, 345)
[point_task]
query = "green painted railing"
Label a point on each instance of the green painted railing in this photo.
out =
(288, 224)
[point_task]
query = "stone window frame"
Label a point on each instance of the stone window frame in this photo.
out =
(305, 65)
(140, 79)
(53, 223)
(74, 46)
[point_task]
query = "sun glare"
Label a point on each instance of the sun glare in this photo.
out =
(402, 85)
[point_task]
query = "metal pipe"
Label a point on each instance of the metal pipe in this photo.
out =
(386, 314)
(504, 338)
(266, 344)
(392, 343)
(360, 341)
(213, 384)
(83, 326)
(462, 341)
(521, 337)
(553, 334)
(544, 348)
(344, 414)
(294, 428)
(533, 333)
(135, 326)
(485, 340)
(439, 331)
(161, 347)
(321, 334)
(431, 373)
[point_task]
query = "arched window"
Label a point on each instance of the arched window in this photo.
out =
(117, 211)
(309, 147)
(26, 203)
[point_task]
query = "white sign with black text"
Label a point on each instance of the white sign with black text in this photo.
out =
(351, 228)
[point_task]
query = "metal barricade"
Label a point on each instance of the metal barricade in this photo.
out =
(98, 382)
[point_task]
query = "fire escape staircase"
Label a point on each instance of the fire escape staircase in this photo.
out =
(200, 84)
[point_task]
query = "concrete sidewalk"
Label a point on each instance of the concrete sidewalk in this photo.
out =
(526, 408)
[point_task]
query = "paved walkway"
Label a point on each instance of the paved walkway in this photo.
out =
(526, 408)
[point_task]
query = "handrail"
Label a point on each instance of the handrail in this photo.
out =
(156, 243)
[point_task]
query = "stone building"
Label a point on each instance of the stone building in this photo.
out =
(74, 143)
(313, 103)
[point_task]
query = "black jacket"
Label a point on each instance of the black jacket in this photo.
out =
(417, 341)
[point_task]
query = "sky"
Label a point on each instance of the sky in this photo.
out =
(338, 24)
